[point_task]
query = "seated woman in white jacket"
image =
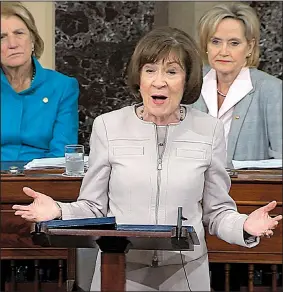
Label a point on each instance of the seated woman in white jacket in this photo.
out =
(148, 159)
(248, 101)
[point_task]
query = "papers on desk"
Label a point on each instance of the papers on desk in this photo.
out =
(59, 162)
(42, 163)
(258, 164)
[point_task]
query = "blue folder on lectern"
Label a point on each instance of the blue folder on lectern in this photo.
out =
(107, 223)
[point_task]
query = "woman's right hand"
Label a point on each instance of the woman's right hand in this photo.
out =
(43, 208)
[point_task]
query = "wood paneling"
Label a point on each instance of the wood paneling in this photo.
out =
(15, 237)
(252, 190)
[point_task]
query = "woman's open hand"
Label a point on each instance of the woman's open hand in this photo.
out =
(259, 223)
(42, 208)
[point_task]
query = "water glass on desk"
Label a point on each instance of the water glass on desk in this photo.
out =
(74, 156)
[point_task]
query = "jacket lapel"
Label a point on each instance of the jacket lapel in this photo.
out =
(239, 114)
(208, 103)
(200, 105)
(241, 86)
(209, 92)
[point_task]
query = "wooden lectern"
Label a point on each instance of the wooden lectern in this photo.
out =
(114, 241)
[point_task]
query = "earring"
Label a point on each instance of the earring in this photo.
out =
(207, 52)
(249, 54)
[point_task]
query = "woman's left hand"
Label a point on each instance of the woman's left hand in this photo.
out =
(259, 223)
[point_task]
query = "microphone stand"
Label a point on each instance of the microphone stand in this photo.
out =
(180, 218)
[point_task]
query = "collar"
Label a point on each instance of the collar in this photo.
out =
(38, 78)
(241, 86)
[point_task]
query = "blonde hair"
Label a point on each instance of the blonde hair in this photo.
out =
(209, 21)
(19, 10)
(157, 45)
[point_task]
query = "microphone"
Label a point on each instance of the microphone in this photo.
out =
(180, 218)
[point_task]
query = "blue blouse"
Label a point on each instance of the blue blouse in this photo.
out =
(39, 121)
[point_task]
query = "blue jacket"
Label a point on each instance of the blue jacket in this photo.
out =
(39, 121)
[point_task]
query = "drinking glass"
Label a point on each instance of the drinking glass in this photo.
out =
(74, 156)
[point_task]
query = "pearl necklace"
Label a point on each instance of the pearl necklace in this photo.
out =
(220, 93)
(140, 111)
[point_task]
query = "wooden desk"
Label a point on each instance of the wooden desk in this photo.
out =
(15, 232)
(250, 190)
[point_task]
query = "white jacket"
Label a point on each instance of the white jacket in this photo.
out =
(123, 179)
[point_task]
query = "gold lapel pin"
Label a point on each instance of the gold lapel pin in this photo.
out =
(45, 100)
(237, 117)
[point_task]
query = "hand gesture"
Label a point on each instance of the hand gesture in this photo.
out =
(42, 208)
(259, 223)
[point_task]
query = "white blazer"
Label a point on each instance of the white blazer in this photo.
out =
(123, 180)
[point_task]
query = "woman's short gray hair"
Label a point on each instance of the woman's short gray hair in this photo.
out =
(157, 45)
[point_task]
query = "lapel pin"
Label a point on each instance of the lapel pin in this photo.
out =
(237, 117)
(45, 100)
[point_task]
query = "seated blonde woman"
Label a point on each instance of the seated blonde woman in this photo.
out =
(248, 101)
